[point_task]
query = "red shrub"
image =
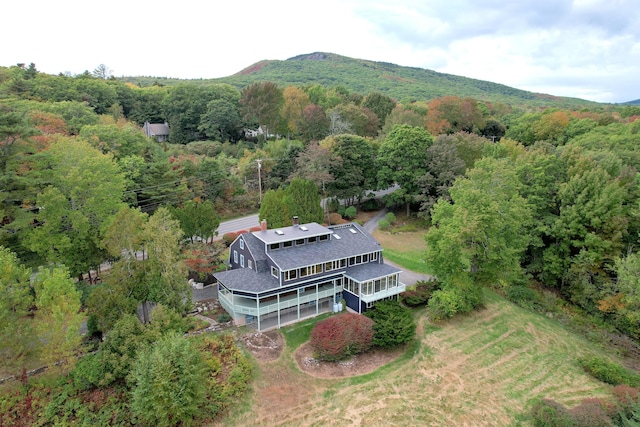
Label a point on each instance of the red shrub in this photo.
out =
(252, 229)
(241, 232)
(229, 237)
(592, 412)
(341, 336)
(626, 397)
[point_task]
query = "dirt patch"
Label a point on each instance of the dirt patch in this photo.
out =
(357, 365)
(264, 346)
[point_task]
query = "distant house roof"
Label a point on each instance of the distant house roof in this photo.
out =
(156, 129)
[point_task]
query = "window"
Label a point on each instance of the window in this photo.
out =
(274, 246)
(287, 244)
(241, 260)
(291, 274)
(374, 256)
(249, 263)
(310, 270)
(241, 243)
(328, 266)
(312, 239)
(324, 237)
(365, 258)
(299, 242)
(343, 263)
(235, 256)
(274, 271)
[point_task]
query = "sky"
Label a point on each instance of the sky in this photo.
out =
(587, 49)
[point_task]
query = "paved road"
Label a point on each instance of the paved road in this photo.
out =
(244, 223)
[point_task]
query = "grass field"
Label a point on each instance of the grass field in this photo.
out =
(485, 368)
(405, 249)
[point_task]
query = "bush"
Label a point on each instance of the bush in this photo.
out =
(549, 413)
(341, 336)
(453, 299)
(254, 229)
(522, 295)
(223, 318)
(592, 413)
(609, 372)
(335, 218)
(383, 224)
(626, 397)
(350, 212)
(390, 217)
(229, 237)
(393, 324)
(421, 293)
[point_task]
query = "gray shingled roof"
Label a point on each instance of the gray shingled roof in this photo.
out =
(158, 129)
(370, 271)
(246, 279)
(350, 244)
(256, 247)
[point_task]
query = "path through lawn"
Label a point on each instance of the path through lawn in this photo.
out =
(481, 369)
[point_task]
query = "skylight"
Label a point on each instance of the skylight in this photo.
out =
(336, 236)
(279, 232)
(303, 228)
(352, 230)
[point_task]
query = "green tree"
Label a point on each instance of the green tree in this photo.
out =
(16, 301)
(274, 209)
(58, 316)
(260, 105)
(166, 272)
(393, 324)
(183, 108)
(356, 174)
(85, 189)
(303, 201)
(197, 219)
(170, 383)
(481, 234)
(402, 159)
(222, 120)
(380, 104)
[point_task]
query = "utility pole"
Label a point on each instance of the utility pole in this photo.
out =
(260, 179)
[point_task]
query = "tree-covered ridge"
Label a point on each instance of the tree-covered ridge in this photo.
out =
(406, 84)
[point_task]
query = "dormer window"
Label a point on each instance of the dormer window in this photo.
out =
(312, 239)
(274, 246)
(299, 242)
(287, 244)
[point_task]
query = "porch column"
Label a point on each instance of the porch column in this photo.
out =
(278, 311)
(317, 299)
(258, 308)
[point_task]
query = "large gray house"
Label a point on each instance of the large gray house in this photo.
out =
(280, 276)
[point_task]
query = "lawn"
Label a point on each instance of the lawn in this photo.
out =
(405, 248)
(485, 368)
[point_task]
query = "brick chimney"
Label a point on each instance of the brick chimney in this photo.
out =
(263, 225)
(295, 221)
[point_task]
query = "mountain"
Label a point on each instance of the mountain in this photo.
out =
(405, 84)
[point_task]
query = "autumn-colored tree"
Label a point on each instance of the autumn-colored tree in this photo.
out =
(295, 103)
(451, 114)
(314, 123)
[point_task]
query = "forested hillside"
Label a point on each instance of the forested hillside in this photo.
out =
(524, 198)
(405, 84)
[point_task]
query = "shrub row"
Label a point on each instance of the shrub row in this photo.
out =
(609, 372)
